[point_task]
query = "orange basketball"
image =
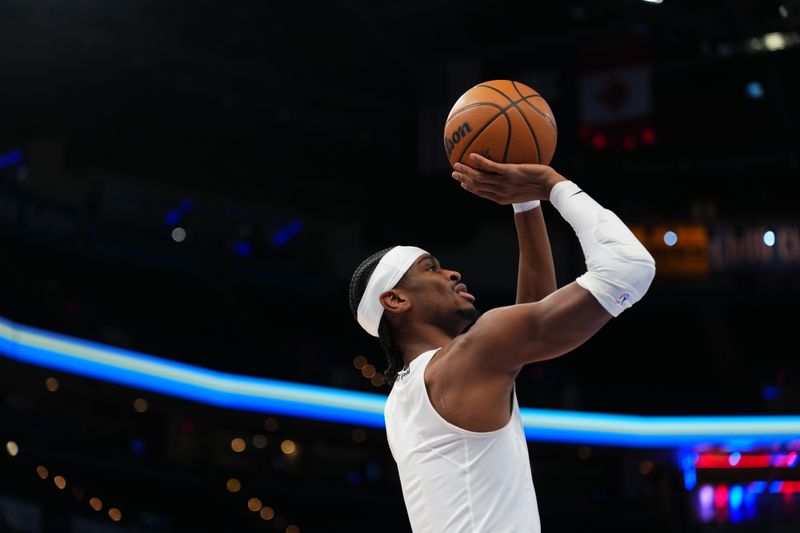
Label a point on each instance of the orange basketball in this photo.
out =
(503, 120)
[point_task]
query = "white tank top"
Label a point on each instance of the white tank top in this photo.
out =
(455, 480)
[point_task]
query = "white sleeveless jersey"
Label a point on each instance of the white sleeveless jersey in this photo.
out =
(455, 480)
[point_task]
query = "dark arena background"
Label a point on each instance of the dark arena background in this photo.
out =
(186, 188)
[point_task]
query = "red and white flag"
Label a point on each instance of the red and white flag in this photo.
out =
(614, 95)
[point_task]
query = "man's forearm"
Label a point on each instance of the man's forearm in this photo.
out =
(619, 268)
(536, 276)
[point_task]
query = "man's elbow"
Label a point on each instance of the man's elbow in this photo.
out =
(647, 268)
(641, 271)
(620, 283)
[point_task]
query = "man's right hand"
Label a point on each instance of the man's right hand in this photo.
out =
(506, 183)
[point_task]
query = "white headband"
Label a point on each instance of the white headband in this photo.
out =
(390, 269)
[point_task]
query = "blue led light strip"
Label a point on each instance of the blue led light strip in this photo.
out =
(33, 346)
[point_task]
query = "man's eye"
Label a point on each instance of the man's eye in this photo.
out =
(432, 267)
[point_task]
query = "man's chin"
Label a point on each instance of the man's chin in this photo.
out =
(471, 315)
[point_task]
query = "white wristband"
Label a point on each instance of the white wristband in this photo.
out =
(526, 206)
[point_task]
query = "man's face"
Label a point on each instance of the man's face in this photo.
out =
(438, 296)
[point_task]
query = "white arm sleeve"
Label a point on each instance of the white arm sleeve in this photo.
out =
(619, 267)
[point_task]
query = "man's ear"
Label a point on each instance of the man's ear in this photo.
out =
(395, 301)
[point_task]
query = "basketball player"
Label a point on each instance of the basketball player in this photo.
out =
(452, 418)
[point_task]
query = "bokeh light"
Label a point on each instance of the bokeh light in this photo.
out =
(51, 384)
(233, 485)
(288, 447)
(140, 405)
(12, 448)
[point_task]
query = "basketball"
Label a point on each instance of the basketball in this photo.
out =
(503, 120)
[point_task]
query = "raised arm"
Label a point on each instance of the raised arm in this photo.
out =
(536, 276)
(619, 273)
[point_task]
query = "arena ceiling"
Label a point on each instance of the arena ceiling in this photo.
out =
(277, 100)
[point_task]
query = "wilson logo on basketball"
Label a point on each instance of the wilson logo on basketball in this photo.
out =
(455, 138)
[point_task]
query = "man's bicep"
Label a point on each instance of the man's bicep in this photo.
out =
(520, 334)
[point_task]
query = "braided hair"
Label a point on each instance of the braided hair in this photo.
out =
(358, 284)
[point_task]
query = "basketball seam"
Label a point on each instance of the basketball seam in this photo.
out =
(508, 138)
(508, 120)
(521, 114)
(473, 106)
(478, 133)
(512, 103)
(544, 115)
(533, 133)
